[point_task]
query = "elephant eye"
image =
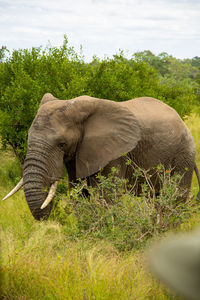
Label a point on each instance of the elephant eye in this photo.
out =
(62, 145)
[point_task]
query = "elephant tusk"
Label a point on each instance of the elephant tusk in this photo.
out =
(51, 194)
(16, 188)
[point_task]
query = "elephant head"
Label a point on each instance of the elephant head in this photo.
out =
(90, 132)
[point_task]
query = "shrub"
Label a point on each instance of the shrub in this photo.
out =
(26, 75)
(123, 218)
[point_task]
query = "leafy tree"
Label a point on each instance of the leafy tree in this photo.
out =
(120, 79)
(159, 62)
(3, 51)
(178, 78)
(25, 76)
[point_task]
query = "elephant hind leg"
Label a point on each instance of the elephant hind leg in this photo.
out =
(185, 183)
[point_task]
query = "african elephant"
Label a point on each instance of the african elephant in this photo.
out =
(88, 134)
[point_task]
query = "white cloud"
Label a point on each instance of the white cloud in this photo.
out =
(103, 26)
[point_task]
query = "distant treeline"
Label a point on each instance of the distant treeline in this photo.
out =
(26, 74)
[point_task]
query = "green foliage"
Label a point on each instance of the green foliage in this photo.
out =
(178, 80)
(114, 213)
(3, 51)
(120, 79)
(25, 76)
(10, 171)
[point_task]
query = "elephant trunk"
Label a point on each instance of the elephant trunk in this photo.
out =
(36, 184)
(38, 176)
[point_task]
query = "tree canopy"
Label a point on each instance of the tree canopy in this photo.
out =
(27, 74)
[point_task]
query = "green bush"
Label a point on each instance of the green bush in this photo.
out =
(25, 76)
(114, 213)
(120, 79)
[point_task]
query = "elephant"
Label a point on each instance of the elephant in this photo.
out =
(88, 134)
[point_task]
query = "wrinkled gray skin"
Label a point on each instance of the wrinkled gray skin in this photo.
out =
(87, 134)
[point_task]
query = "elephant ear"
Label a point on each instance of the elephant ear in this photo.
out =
(109, 131)
(47, 98)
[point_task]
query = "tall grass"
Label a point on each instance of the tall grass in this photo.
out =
(193, 122)
(40, 261)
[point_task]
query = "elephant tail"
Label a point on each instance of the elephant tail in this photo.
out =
(198, 178)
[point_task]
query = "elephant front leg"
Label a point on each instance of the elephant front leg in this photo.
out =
(72, 180)
(71, 171)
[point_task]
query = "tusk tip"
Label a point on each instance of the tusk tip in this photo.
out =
(43, 206)
(7, 196)
(16, 188)
(50, 195)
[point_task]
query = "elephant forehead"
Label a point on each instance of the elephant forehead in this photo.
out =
(41, 121)
(52, 117)
(57, 105)
(53, 126)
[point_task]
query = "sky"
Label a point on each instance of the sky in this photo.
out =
(103, 27)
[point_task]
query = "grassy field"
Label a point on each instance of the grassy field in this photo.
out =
(40, 261)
